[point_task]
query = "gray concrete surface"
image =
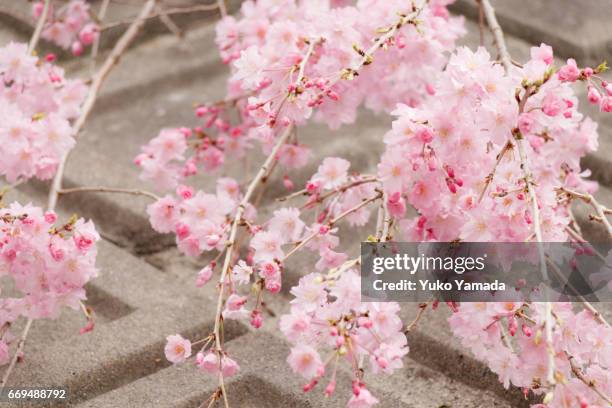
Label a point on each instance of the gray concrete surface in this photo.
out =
(145, 290)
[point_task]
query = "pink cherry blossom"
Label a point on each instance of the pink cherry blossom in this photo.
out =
(177, 349)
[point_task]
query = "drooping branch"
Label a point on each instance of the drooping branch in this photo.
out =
(109, 190)
(97, 81)
(231, 243)
(506, 60)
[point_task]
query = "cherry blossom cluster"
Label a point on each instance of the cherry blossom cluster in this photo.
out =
(199, 220)
(178, 350)
(291, 57)
(519, 356)
(464, 177)
(69, 25)
(269, 43)
(49, 264)
(36, 106)
(327, 316)
(466, 181)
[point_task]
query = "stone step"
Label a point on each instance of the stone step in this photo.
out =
(574, 29)
(16, 16)
(265, 380)
(137, 306)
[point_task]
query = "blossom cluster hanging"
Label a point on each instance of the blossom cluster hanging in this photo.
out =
(69, 26)
(48, 263)
(37, 104)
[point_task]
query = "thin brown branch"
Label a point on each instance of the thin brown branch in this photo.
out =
(489, 179)
(498, 34)
(97, 81)
(39, 27)
(331, 223)
(589, 383)
(109, 190)
(18, 352)
(589, 199)
(166, 12)
(506, 60)
(231, 243)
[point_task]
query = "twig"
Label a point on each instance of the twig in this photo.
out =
(167, 12)
(491, 175)
(169, 23)
(589, 383)
(18, 352)
(331, 223)
(108, 190)
(587, 305)
(415, 321)
(589, 199)
(480, 22)
(232, 240)
(96, 45)
(39, 27)
(222, 7)
(498, 34)
(98, 79)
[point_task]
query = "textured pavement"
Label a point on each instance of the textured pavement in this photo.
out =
(146, 290)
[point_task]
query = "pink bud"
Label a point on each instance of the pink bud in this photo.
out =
(333, 95)
(594, 95)
(451, 186)
(201, 111)
(331, 387)
(512, 325)
(182, 231)
(273, 286)
(450, 171)
(88, 327)
(424, 134)
(527, 330)
(323, 229)
(50, 217)
(400, 42)
(37, 9)
(573, 263)
(459, 182)
(204, 276)
(235, 302)
(421, 222)
(184, 191)
(312, 187)
(288, 183)
(50, 57)
(356, 385)
(88, 34)
(606, 104)
(212, 239)
(430, 89)
(187, 132)
(339, 341)
(382, 362)
(308, 387)
(256, 319)
(587, 72)
(76, 48)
